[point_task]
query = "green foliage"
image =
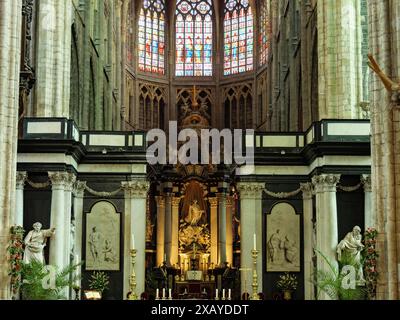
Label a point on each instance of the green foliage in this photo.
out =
(99, 281)
(15, 254)
(331, 281)
(35, 284)
(287, 281)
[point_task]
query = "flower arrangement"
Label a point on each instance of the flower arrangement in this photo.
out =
(99, 281)
(371, 255)
(15, 255)
(287, 281)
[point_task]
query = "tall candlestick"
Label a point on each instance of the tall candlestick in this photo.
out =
(170, 294)
(157, 294)
(229, 294)
(163, 294)
(223, 294)
(255, 242)
(216, 294)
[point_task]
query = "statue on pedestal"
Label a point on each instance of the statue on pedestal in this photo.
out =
(195, 214)
(352, 246)
(35, 242)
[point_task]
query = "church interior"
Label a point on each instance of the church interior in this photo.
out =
(311, 85)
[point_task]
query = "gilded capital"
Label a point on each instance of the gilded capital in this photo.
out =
(160, 201)
(176, 202)
(213, 202)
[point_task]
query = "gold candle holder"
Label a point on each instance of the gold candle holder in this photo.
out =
(132, 279)
(255, 296)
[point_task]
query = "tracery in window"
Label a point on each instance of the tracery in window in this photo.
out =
(265, 31)
(194, 31)
(238, 37)
(152, 37)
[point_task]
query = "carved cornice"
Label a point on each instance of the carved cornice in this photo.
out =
(22, 176)
(251, 190)
(325, 182)
(367, 183)
(79, 189)
(307, 189)
(136, 189)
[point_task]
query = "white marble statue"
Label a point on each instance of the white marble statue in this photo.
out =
(35, 242)
(352, 245)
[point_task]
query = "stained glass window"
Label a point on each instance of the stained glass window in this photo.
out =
(238, 37)
(152, 37)
(265, 32)
(194, 31)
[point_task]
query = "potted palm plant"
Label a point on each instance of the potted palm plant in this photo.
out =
(287, 283)
(99, 282)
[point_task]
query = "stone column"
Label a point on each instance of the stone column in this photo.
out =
(222, 229)
(327, 228)
(174, 231)
(135, 225)
(339, 59)
(307, 190)
(10, 51)
(384, 35)
(53, 59)
(79, 193)
(214, 229)
(250, 216)
(57, 218)
(168, 227)
(19, 199)
(160, 230)
(369, 217)
(229, 231)
(69, 183)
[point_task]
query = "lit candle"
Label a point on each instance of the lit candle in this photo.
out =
(157, 294)
(223, 294)
(133, 242)
(255, 242)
